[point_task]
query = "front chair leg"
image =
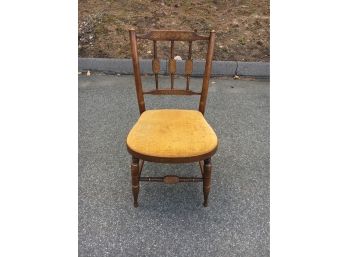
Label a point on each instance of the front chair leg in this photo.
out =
(135, 179)
(206, 180)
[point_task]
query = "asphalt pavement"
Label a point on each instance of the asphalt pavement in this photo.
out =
(170, 219)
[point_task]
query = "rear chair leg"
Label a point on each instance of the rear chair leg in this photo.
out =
(135, 179)
(206, 180)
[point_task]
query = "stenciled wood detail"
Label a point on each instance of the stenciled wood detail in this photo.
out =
(172, 35)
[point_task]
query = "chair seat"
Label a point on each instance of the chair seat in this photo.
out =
(172, 133)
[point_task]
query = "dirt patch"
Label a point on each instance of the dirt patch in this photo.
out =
(242, 27)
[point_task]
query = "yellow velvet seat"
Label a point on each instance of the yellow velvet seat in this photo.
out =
(172, 133)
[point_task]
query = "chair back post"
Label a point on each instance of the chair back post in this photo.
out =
(136, 68)
(207, 72)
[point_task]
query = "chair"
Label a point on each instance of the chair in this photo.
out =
(171, 135)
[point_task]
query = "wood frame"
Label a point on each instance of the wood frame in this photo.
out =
(139, 159)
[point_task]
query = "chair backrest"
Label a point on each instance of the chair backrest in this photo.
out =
(172, 36)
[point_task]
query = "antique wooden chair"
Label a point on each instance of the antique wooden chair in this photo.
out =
(171, 135)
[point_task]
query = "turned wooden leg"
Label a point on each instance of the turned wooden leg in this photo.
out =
(206, 180)
(135, 180)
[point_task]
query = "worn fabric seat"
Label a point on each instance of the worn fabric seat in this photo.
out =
(172, 133)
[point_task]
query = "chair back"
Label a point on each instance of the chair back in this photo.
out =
(172, 36)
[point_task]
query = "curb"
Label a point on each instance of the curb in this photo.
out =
(220, 68)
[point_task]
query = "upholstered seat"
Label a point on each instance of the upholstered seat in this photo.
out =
(172, 133)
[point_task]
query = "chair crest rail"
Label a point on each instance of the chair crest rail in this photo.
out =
(172, 35)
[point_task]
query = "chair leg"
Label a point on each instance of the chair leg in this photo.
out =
(135, 179)
(206, 180)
